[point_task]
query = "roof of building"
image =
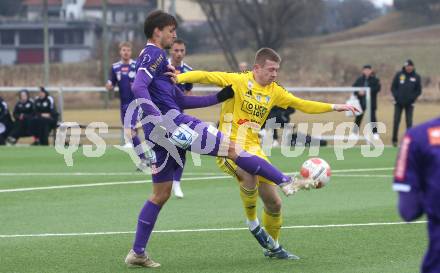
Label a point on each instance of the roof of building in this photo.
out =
(98, 3)
(40, 2)
(89, 3)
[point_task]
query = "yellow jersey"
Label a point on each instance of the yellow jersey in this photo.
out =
(241, 118)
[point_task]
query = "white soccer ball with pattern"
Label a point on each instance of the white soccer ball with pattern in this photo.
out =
(317, 169)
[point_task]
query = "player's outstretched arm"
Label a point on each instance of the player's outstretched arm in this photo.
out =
(191, 102)
(311, 107)
(217, 78)
(345, 108)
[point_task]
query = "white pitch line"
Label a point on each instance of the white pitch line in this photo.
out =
(101, 184)
(95, 174)
(139, 173)
(363, 170)
(206, 230)
(364, 175)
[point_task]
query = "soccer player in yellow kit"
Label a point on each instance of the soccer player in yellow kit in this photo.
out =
(255, 93)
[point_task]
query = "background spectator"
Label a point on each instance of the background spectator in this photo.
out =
(281, 116)
(243, 66)
(23, 114)
(45, 119)
(367, 79)
(406, 88)
(5, 121)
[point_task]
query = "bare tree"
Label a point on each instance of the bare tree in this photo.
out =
(220, 34)
(356, 12)
(428, 7)
(259, 23)
(271, 22)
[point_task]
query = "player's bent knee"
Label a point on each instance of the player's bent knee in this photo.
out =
(160, 198)
(273, 205)
(233, 150)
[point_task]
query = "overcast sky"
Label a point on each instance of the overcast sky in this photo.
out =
(382, 2)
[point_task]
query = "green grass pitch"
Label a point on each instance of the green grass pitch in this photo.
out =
(359, 193)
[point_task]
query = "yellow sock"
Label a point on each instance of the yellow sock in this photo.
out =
(249, 199)
(272, 223)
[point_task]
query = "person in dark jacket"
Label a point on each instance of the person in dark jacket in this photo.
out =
(5, 121)
(406, 88)
(46, 117)
(367, 79)
(23, 114)
(282, 116)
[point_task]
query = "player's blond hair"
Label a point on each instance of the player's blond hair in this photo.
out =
(266, 53)
(125, 44)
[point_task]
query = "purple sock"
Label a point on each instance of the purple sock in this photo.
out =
(147, 219)
(257, 166)
(138, 149)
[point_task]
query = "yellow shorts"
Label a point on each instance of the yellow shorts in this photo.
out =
(228, 166)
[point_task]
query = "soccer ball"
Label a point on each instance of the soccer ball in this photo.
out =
(318, 170)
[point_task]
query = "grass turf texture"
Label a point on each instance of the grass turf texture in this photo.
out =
(351, 197)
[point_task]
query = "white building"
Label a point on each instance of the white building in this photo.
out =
(74, 29)
(188, 10)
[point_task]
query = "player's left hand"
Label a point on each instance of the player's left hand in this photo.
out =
(346, 107)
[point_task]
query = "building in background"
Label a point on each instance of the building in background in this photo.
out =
(74, 29)
(189, 11)
(22, 41)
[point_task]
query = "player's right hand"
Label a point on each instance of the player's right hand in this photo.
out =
(346, 107)
(109, 86)
(226, 93)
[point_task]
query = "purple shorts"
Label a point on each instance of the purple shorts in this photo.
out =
(206, 141)
(179, 171)
(134, 119)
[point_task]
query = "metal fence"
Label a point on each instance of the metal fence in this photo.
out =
(61, 90)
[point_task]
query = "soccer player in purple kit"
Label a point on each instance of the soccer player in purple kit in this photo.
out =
(122, 74)
(168, 130)
(178, 53)
(417, 180)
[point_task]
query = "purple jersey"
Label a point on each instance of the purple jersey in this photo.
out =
(182, 68)
(152, 84)
(417, 179)
(123, 76)
(151, 65)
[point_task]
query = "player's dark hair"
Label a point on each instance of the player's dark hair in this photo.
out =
(158, 19)
(179, 42)
(266, 53)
